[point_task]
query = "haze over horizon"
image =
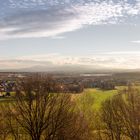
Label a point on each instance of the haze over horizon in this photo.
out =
(100, 34)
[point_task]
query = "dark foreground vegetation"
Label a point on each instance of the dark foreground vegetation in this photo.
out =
(37, 114)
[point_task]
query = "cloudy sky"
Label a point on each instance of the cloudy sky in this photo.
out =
(97, 33)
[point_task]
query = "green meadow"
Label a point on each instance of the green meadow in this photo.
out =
(99, 96)
(94, 97)
(96, 94)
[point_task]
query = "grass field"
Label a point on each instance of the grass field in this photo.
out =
(96, 96)
(100, 96)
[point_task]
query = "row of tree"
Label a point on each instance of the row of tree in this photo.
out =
(101, 84)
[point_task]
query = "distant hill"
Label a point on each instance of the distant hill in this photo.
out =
(68, 68)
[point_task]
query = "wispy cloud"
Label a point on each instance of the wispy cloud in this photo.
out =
(136, 41)
(58, 37)
(43, 18)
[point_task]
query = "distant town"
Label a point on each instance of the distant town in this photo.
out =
(68, 83)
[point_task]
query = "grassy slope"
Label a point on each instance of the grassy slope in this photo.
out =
(97, 95)
(100, 96)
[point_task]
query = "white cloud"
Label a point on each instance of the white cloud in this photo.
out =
(40, 18)
(136, 41)
(120, 60)
(58, 37)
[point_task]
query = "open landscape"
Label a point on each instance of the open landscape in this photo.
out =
(69, 70)
(87, 106)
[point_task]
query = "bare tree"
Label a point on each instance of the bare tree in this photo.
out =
(111, 118)
(130, 113)
(121, 116)
(4, 129)
(43, 115)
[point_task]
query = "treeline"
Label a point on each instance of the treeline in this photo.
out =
(38, 114)
(101, 84)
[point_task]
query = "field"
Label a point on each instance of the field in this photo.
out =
(89, 103)
(99, 96)
(96, 96)
(93, 98)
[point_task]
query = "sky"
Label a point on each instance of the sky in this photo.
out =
(93, 33)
